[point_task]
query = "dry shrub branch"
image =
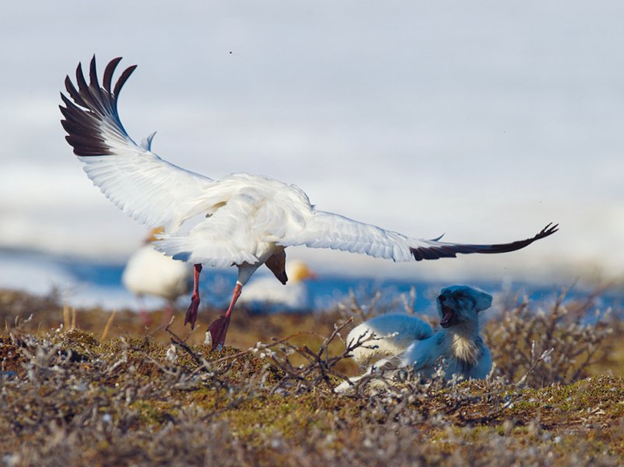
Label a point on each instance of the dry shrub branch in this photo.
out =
(570, 336)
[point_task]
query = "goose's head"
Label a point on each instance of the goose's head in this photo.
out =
(153, 235)
(299, 271)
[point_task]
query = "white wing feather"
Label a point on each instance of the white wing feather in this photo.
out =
(138, 181)
(142, 185)
(248, 215)
(328, 230)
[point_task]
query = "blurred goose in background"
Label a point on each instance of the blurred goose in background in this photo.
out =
(150, 272)
(264, 294)
(245, 220)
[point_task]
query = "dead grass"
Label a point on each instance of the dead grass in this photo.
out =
(158, 397)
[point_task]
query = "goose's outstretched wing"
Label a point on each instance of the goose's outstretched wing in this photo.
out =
(131, 176)
(328, 230)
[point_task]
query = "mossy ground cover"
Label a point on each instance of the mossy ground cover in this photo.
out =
(159, 397)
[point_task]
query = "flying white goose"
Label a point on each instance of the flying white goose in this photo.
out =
(268, 295)
(249, 220)
(150, 272)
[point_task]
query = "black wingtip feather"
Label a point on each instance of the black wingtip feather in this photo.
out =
(108, 73)
(93, 74)
(94, 84)
(73, 92)
(123, 78)
(450, 250)
(94, 109)
(80, 79)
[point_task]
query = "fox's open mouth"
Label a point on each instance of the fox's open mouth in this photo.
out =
(447, 316)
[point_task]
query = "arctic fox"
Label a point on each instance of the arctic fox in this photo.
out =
(385, 336)
(457, 348)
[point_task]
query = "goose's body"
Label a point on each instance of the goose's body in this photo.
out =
(150, 272)
(248, 220)
(266, 295)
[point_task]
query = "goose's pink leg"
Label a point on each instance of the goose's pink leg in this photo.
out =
(218, 329)
(191, 313)
(168, 312)
(146, 319)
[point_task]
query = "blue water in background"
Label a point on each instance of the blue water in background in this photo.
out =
(323, 291)
(87, 283)
(328, 290)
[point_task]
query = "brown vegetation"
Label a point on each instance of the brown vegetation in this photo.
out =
(158, 397)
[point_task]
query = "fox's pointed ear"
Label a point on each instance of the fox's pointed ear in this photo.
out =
(483, 300)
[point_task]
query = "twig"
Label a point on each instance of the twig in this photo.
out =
(108, 325)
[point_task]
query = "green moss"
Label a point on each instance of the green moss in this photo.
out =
(286, 416)
(153, 413)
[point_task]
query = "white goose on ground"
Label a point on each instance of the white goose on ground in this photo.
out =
(267, 295)
(248, 220)
(150, 272)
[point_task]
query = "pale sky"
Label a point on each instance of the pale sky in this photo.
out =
(482, 120)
